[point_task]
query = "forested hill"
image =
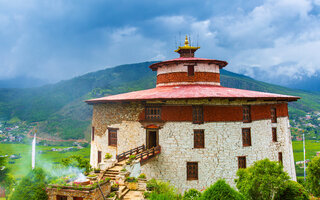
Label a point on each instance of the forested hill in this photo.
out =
(62, 112)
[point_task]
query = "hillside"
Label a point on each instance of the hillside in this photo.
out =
(62, 112)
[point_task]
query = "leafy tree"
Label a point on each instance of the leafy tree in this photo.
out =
(262, 181)
(78, 162)
(313, 178)
(293, 191)
(191, 194)
(31, 187)
(221, 191)
(6, 179)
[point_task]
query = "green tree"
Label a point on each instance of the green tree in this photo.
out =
(293, 191)
(78, 162)
(192, 194)
(221, 191)
(31, 187)
(262, 181)
(313, 178)
(162, 190)
(6, 179)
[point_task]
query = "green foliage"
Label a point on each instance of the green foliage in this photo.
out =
(221, 191)
(142, 176)
(31, 187)
(77, 161)
(313, 178)
(192, 194)
(112, 194)
(108, 156)
(131, 179)
(293, 191)
(262, 181)
(162, 190)
(4, 170)
(14, 120)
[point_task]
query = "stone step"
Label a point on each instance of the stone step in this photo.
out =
(111, 172)
(123, 193)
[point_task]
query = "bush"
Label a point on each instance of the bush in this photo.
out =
(162, 190)
(221, 191)
(293, 191)
(143, 176)
(108, 156)
(263, 180)
(131, 180)
(151, 184)
(313, 171)
(191, 194)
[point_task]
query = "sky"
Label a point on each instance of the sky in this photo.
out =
(56, 40)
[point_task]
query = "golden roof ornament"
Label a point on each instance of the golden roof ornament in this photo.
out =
(186, 50)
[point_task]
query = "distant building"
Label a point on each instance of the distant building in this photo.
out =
(205, 131)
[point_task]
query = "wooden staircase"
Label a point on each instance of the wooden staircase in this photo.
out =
(142, 154)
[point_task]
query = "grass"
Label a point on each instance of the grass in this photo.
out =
(23, 165)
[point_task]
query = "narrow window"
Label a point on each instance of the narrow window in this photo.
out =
(242, 163)
(197, 114)
(112, 136)
(280, 158)
(246, 137)
(246, 114)
(199, 138)
(274, 135)
(153, 112)
(92, 132)
(77, 198)
(190, 70)
(99, 156)
(192, 171)
(273, 115)
(59, 197)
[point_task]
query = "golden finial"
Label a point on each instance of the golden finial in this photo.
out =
(186, 42)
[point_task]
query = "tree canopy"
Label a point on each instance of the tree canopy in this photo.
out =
(313, 178)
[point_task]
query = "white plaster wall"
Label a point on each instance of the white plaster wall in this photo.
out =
(182, 67)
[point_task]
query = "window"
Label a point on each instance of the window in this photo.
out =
(192, 171)
(62, 197)
(242, 163)
(274, 135)
(280, 158)
(92, 132)
(99, 156)
(112, 136)
(246, 114)
(153, 112)
(199, 138)
(190, 70)
(246, 137)
(77, 198)
(197, 114)
(273, 115)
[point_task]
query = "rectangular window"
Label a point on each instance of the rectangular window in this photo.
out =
(153, 112)
(273, 115)
(59, 197)
(190, 70)
(77, 198)
(99, 156)
(274, 135)
(192, 171)
(199, 138)
(92, 132)
(246, 114)
(112, 136)
(280, 158)
(242, 163)
(246, 137)
(197, 114)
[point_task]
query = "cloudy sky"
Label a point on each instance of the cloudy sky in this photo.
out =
(59, 39)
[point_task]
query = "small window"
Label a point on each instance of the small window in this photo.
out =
(274, 135)
(197, 114)
(280, 158)
(99, 156)
(153, 112)
(92, 134)
(199, 138)
(190, 70)
(112, 136)
(273, 115)
(246, 114)
(242, 163)
(192, 171)
(246, 137)
(59, 197)
(77, 198)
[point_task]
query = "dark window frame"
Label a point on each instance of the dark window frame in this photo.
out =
(197, 114)
(153, 112)
(280, 158)
(61, 197)
(190, 70)
(246, 137)
(99, 157)
(274, 135)
(242, 162)
(198, 139)
(92, 133)
(113, 136)
(273, 115)
(246, 111)
(192, 171)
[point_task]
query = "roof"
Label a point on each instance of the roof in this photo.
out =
(192, 92)
(190, 60)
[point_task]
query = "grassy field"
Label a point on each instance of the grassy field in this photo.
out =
(23, 165)
(312, 147)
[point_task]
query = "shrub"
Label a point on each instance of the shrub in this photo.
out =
(313, 171)
(293, 191)
(92, 175)
(131, 179)
(162, 190)
(123, 170)
(142, 176)
(192, 194)
(108, 156)
(151, 184)
(263, 180)
(132, 157)
(112, 194)
(221, 191)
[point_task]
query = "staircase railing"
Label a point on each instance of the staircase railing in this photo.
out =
(148, 154)
(125, 155)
